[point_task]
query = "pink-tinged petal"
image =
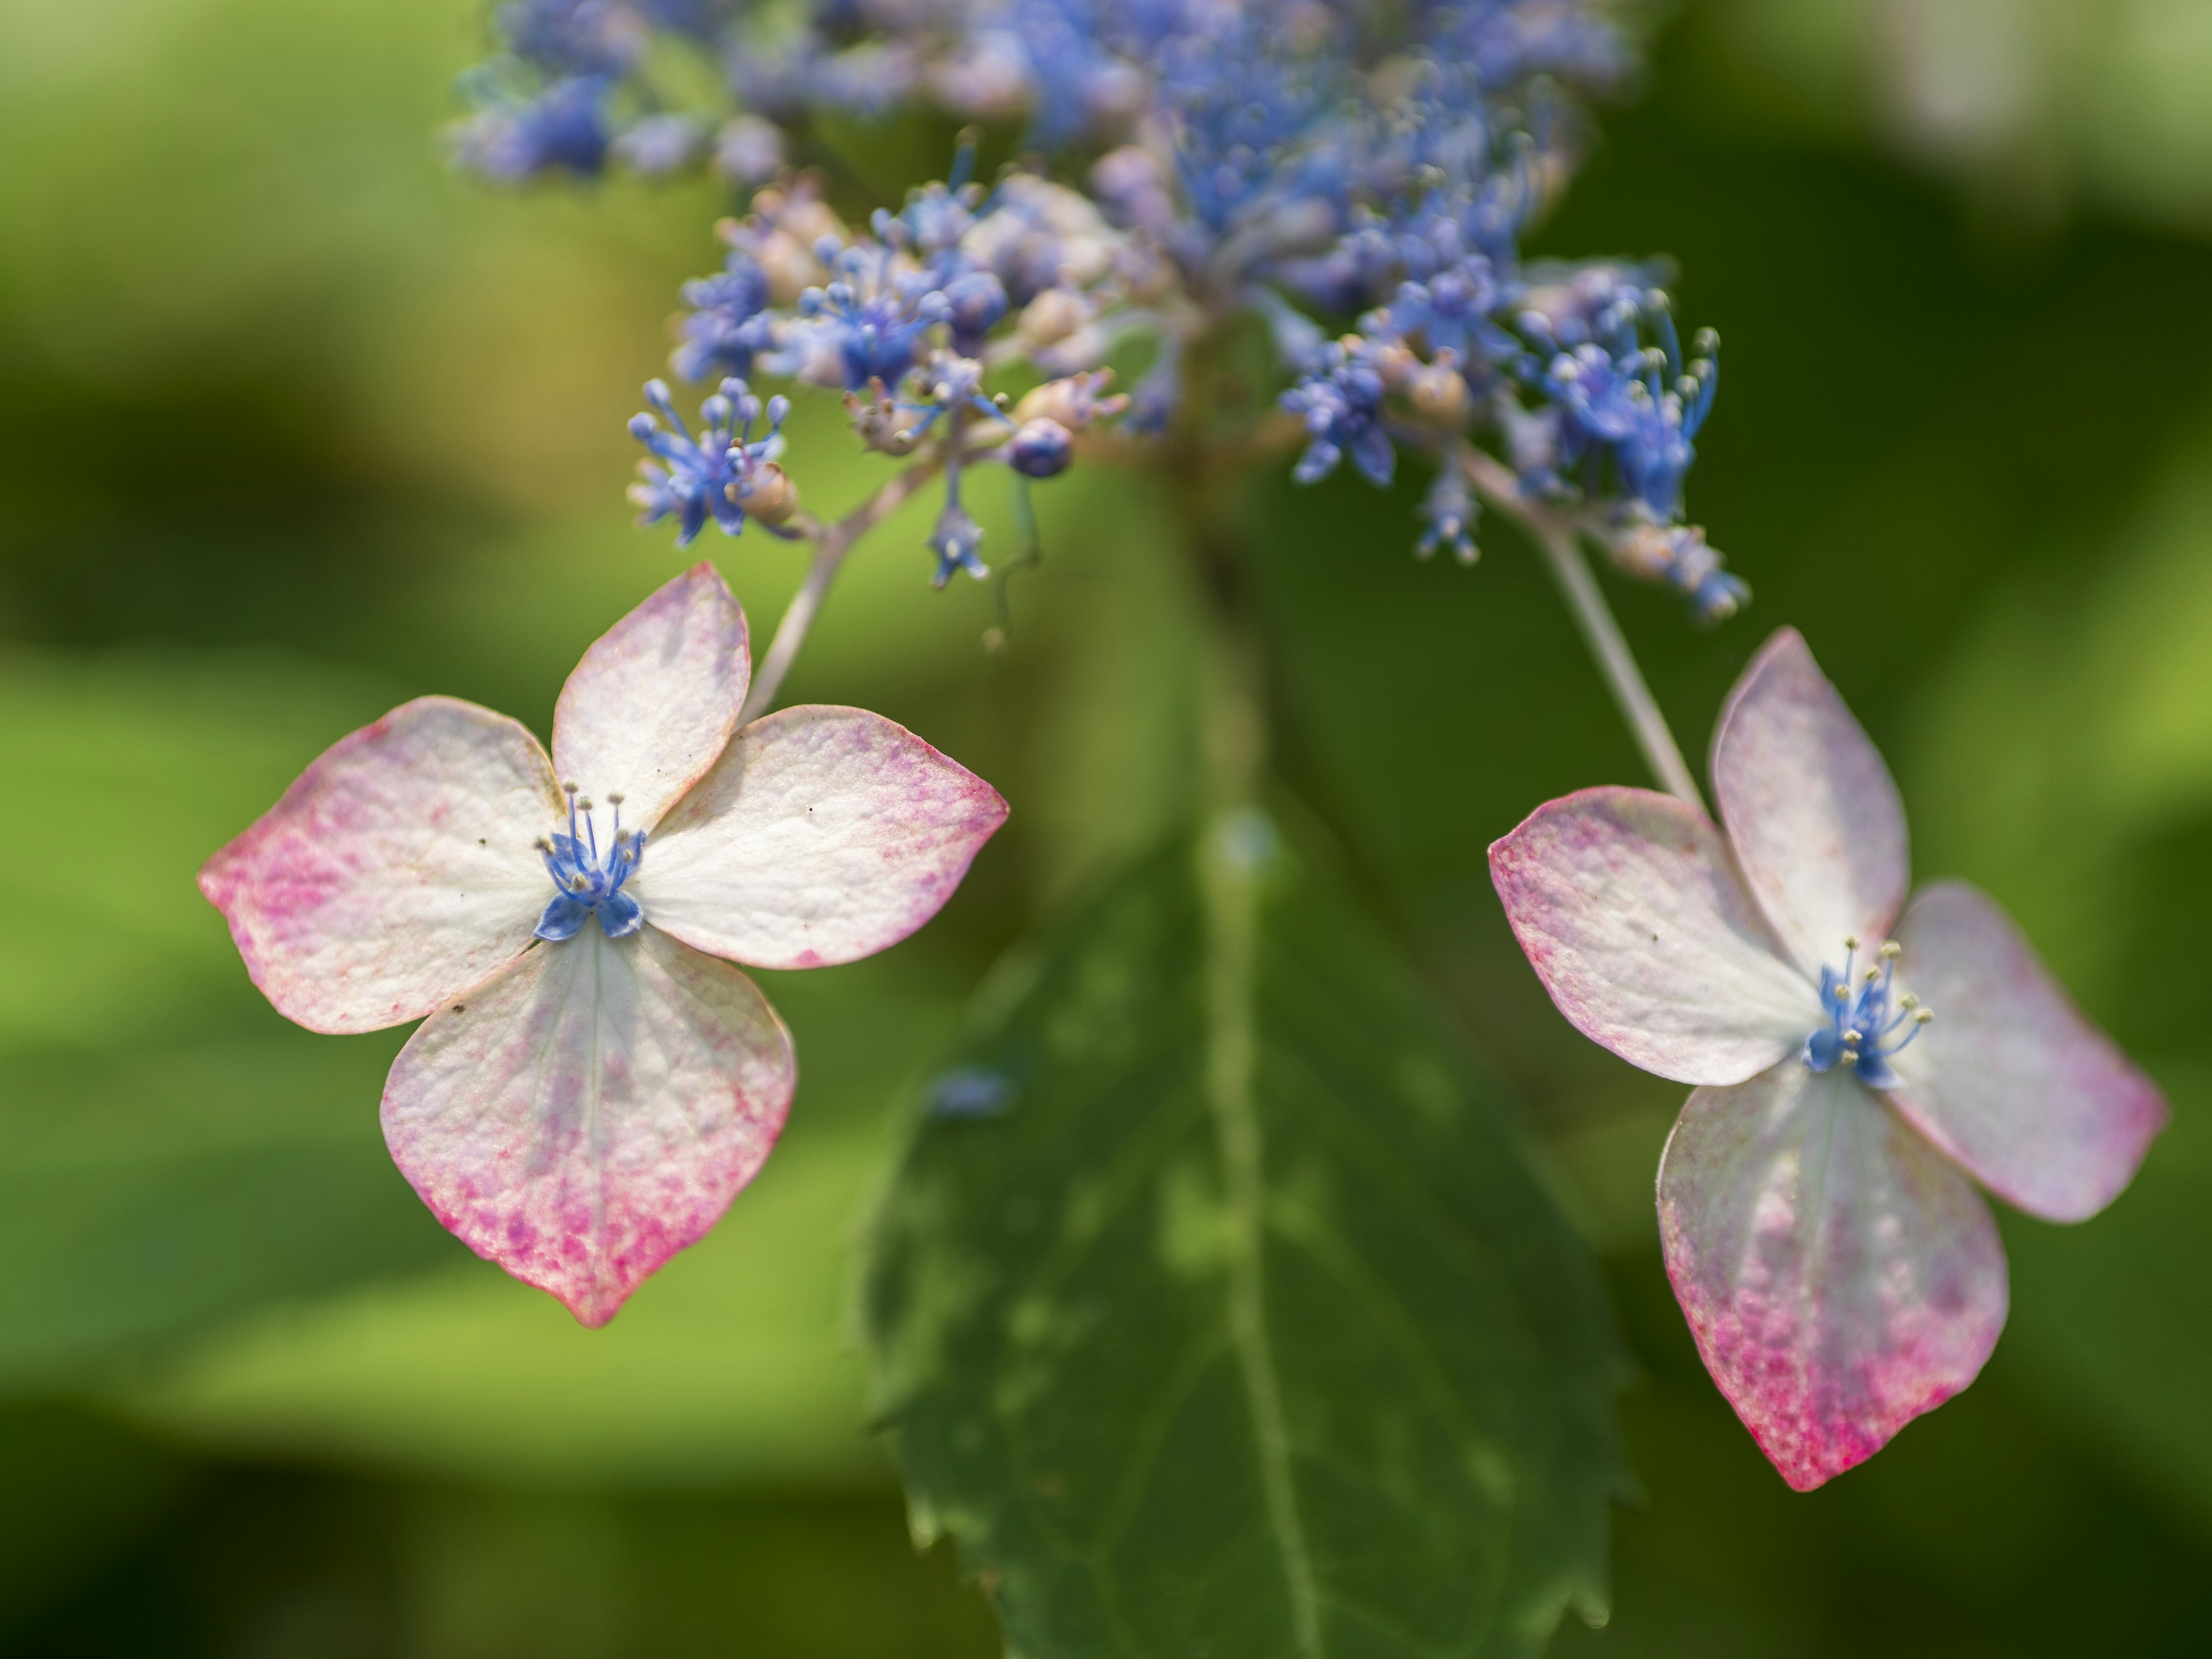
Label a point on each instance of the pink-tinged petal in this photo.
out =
(1632, 914)
(1840, 1275)
(1809, 806)
(397, 871)
(656, 698)
(822, 835)
(586, 1114)
(2009, 1078)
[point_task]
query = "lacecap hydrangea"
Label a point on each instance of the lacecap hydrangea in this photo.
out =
(1360, 180)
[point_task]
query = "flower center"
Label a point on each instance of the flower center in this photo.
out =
(1867, 1022)
(586, 882)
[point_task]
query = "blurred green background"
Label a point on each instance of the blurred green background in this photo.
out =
(294, 426)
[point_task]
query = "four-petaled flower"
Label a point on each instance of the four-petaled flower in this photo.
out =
(583, 1101)
(1856, 1060)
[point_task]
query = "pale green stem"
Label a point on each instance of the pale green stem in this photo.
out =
(832, 543)
(1560, 542)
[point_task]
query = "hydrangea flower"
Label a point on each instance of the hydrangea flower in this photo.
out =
(1859, 1063)
(594, 1081)
(722, 474)
(1342, 170)
(1341, 405)
(728, 325)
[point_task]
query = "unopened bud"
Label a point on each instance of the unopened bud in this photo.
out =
(1439, 393)
(1646, 550)
(1073, 401)
(1040, 449)
(749, 151)
(1053, 316)
(767, 494)
(880, 424)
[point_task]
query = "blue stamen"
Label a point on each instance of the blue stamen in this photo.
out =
(587, 885)
(1860, 1020)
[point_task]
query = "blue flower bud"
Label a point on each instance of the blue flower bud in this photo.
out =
(973, 303)
(1040, 449)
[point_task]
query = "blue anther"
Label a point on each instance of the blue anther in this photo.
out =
(1864, 1021)
(585, 883)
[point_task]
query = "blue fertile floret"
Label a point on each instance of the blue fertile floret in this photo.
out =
(1361, 178)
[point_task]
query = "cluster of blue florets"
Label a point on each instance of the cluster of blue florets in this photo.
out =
(1359, 178)
(723, 473)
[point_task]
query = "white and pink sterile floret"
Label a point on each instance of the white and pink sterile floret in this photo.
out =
(592, 1081)
(1856, 1059)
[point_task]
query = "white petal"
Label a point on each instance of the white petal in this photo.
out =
(1840, 1275)
(1632, 912)
(656, 698)
(2010, 1080)
(1809, 806)
(396, 872)
(823, 835)
(586, 1114)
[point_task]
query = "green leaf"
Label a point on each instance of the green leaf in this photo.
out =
(1217, 1307)
(729, 1366)
(146, 1197)
(2108, 1317)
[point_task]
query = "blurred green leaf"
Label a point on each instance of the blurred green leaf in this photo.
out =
(2032, 102)
(729, 1366)
(144, 1199)
(72, 1489)
(2073, 729)
(1326, 1372)
(496, 1576)
(2111, 1314)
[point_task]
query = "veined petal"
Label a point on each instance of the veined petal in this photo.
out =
(591, 1111)
(396, 872)
(1840, 1275)
(2010, 1080)
(1632, 914)
(1809, 806)
(822, 835)
(656, 698)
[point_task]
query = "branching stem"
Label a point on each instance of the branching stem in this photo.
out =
(832, 543)
(1560, 539)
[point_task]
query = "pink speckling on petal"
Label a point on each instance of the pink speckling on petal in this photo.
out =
(396, 872)
(593, 1111)
(1840, 1276)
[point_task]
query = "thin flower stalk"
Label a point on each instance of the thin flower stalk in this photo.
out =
(832, 543)
(1558, 539)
